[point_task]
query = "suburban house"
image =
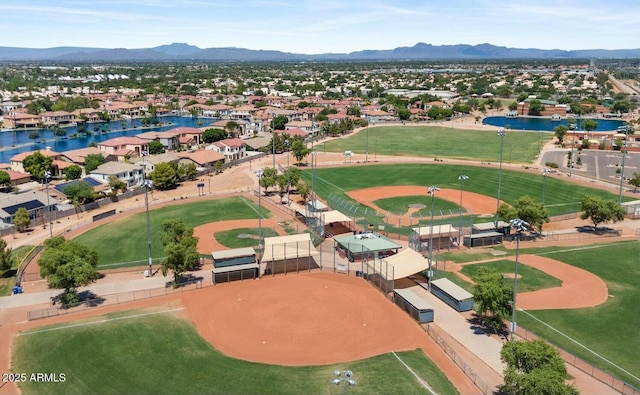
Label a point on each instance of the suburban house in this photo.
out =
(120, 148)
(203, 158)
(54, 118)
(79, 156)
(188, 136)
(58, 164)
(168, 139)
(307, 126)
(232, 149)
(222, 124)
(17, 178)
(89, 115)
(18, 120)
(35, 202)
(130, 173)
(150, 161)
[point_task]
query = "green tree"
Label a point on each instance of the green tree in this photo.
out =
(304, 189)
(72, 172)
(190, 170)
(79, 192)
(37, 165)
(535, 107)
(279, 122)
(5, 178)
(299, 150)
(269, 178)
(492, 297)
(534, 368)
(6, 256)
(635, 181)
(232, 127)
(283, 185)
(164, 176)
(507, 212)
(560, 132)
(589, 124)
(601, 211)
(531, 211)
(117, 184)
(34, 135)
(179, 248)
(155, 147)
(22, 220)
(212, 135)
(68, 265)
(92, 161)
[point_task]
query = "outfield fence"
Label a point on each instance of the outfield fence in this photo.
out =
(434, 332)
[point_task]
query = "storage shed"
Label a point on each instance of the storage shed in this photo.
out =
(452, 294)
(413, 304)
(483, 239)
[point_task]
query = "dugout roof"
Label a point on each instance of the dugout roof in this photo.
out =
(366, 242)
(288, 247)
(403, 264)
(441, 229)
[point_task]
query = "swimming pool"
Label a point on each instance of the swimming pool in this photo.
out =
(545, 124)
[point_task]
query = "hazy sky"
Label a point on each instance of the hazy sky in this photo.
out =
(320, 26)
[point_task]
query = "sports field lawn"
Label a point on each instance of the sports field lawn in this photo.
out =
(561, 197)
(440, 142)
(125, 240)
(611, 329)
(529, 278)
(160, 354)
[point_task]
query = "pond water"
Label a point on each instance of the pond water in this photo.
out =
(13, 142)
(546, 124)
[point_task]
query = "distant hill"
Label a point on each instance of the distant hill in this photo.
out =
(420, 51)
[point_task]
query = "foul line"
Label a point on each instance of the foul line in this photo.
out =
(424, 384)
(100, 322)
(259, 214)
(580, 344)
(584, 248)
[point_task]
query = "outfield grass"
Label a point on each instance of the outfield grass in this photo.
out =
(159, 354)
(611, 329)
(561, 197)
(230, 239)
(529, 278)
(125, 239)
(440, 142)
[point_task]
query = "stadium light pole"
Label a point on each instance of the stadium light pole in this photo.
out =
(520, 226)
(286, 143)
(259, 175)
(366, 148)
(544, 181)
(47, 176)
(501, 133)
(462, 178)
(273, 141)
(432, 191)
(145, 185)
(344, 377)
(624, 155)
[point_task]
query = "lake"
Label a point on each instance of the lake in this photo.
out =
(546, 124)
(13, 142)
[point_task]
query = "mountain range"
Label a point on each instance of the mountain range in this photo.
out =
(186, 52)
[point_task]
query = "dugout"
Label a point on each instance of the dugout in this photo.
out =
(364, 246)
(488, 227)
(444, 236)
(452, 294)
(413, 304)
(234, 264)
(483, 239)
(285, 254)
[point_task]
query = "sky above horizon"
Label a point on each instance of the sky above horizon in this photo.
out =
(320, 26)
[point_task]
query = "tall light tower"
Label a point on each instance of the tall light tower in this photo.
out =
(260, 239)
(462, 178)
(344, 378)
(520, 226)
(366, 148)
(47, 176)
(501, 133)
(431, 191)
(286, 143)
(146, 185)
(273, 141)
(544, 181)
(624, 155)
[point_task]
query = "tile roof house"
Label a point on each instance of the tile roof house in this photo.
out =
(16, 160)
(202, 158)
(120, 147)
(168, 139)
(232, 149)
(130, 173)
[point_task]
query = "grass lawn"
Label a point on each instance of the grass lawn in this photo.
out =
(400, 205)
(230, 239)
(529, 278)
(160, 354)
(440, 142)
(611, 329)
(561, 197)
(129, 235)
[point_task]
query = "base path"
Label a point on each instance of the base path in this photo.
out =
(579, 288)
(472, 202)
